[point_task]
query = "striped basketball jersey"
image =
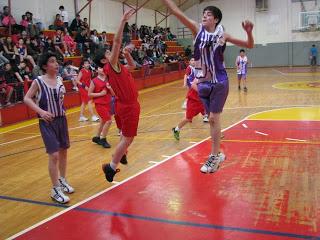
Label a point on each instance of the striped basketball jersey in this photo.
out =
(191, 74)
(242, 63)
(51, 98)
(208, 54)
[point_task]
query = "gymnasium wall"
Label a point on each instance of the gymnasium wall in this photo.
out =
(277, 41)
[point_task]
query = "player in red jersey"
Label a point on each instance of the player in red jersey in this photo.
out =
(101, 92)
(83, 80)
(127, 107)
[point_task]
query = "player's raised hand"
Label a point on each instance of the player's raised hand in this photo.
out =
(247, 26)
(127, 14)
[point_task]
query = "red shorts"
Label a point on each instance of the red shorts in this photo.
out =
(194, 105)
(103, 111)
(127, 118)
(83, 95)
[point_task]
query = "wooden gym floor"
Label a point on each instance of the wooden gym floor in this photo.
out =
(292, 131)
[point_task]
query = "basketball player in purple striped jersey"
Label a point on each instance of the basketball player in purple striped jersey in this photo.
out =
(213, 87)
(49, 92)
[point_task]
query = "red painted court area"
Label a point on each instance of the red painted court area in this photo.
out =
(266, 189)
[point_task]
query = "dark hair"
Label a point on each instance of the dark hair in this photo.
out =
(242, 50)
(215, 11)
(313, 45)
(99, 56)
(44, 58)
(77, 15)
(61, 7)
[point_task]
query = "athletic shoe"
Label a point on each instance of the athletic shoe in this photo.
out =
(75, 89)
(211, 165)
(65, 185)
(245, 89)
(83, 119)
(176, 134)
(94, 118)
(109, 172)
(96, 140)
(205, 118)
(222, 157)
(239, 88)
(58, 195)
(184, 105)
(124, 160)
(104, 143)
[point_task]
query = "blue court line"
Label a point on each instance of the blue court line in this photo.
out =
(168, 221)
(34, 202)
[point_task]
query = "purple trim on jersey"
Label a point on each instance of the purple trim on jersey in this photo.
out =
(209, 54)
(191, 77)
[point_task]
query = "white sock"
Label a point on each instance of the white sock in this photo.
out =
(177, 128)
(113, 166)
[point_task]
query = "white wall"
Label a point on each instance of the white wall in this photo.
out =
(105, 14)
(272, 26)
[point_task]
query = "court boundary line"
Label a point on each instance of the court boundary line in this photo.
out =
(112, 187)
(126, 180)
(164, 220)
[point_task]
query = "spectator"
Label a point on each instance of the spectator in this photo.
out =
(21, 51)
(76, 24)
(24, 22)
(58, 23)
(5, 90)
(12, 81)
(64, 16)
(3, 59)
(70, 43)
(59, 43)
(10, 50)
(70, 72)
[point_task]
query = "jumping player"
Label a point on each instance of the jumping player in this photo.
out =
(127, 107)
(209, 45)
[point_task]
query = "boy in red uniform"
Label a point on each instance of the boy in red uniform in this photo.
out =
(101, 92)
(127, 107)
(194, 104)
(83, 80)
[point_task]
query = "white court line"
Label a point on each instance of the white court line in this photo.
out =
(277, 71)
(153, 162)
(261, 133)
(115, 182)
(294, 139)
(26, 138)
(193, 142)
(165, 156)
(244, 125)
(109, 189)
(21, 139)
(162, 114)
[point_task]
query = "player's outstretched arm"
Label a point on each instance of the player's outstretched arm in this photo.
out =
(249, 43)
(117, 40)
(127, 54)
(189, 23)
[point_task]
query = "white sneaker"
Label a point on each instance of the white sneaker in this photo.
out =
(211, 165)
(94, 119)
(83, 119)
(58, 195)
(75, 89)
(65, 185)
(205, 118)
(222, 157)
(184, 104)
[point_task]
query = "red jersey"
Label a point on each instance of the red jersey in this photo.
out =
(122, 84)
(86, 76)
(99, 86)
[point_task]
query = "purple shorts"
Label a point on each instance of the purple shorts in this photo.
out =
(242, 76)
(55, 134)
(213, 95)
